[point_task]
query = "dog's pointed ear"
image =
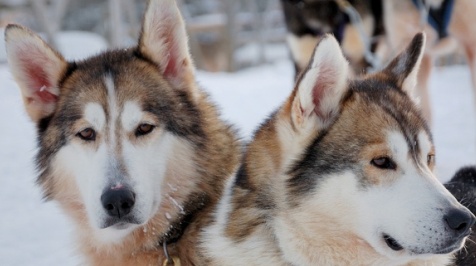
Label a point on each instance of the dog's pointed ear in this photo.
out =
(321, 87)
(404, 68)
(164, 40)
(37, 69)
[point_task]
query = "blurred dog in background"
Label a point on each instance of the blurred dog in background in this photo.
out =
(308, 20)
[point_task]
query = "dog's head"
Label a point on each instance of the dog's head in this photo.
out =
(112, 127)
(358, 157)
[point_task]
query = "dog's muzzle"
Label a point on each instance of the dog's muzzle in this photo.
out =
(457, 226)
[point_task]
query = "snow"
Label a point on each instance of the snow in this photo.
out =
(33, 232)
(72, 43)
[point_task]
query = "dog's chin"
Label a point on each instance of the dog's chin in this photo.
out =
(120, 224)
(452, 247)
(449, 247)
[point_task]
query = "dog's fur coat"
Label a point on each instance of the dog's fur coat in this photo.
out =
(129, 146)
(341, 174)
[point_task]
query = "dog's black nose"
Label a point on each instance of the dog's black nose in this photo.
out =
(459, 220)
(118, 203)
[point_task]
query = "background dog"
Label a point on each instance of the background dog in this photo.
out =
(341, 174)
(308, 20)
(129, 147)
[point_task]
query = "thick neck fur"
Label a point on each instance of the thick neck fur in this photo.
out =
(254, 221)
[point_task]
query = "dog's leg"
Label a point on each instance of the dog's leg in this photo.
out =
(463, 30)
(471, 57)
(422, 87)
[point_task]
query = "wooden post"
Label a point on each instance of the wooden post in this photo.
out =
(230, 33)
(195, 48)
(59, 7)
(258, 31)
(48, 25)
(134, 24)
(116, 27)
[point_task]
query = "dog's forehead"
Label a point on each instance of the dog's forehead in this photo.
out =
(132, 77)
(130, 113)
(381, 107)
(116, 76)
(123, 76)
(382, 93)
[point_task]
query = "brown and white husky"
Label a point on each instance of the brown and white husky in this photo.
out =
(341, 174)
(129, 146)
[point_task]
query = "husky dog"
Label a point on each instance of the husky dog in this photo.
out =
(463, 187)
(341, 174)
(129, 146)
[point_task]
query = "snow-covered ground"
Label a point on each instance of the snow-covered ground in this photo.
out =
(36, 233)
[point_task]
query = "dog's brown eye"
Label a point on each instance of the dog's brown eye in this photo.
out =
(87, 134)
(430, 159)
(144, 129)
(384, 163)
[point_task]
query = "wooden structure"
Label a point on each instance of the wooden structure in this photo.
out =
(236, 23)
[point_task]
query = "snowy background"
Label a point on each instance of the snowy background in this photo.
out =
(36, 233)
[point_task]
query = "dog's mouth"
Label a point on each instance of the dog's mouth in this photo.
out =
(120, 224)
(392, 243)
(449, 249)
(453, 245)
